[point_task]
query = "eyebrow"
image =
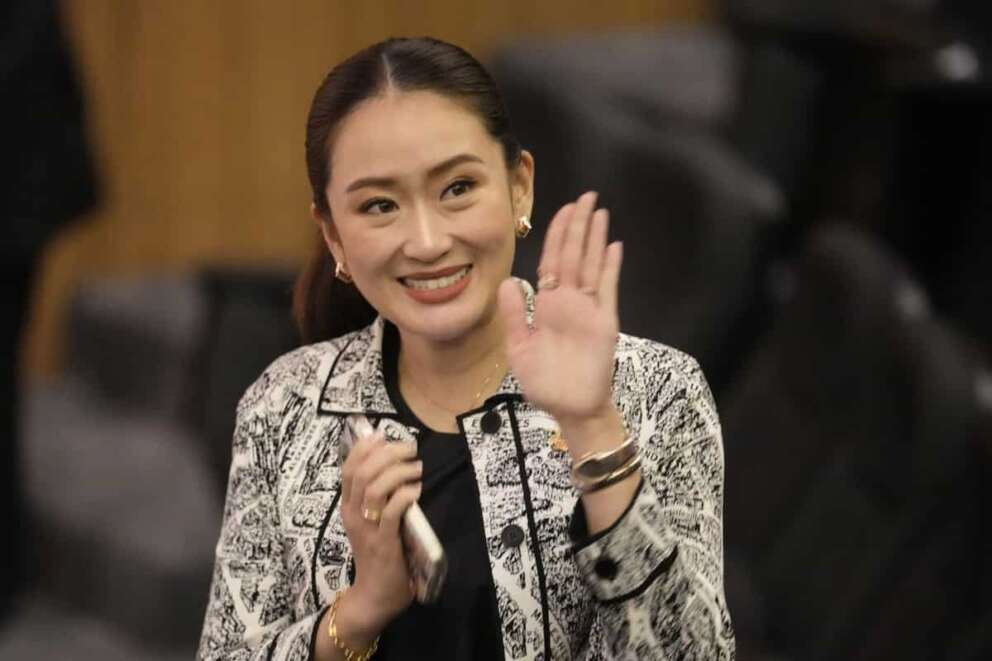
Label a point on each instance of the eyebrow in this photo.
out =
(386, 182)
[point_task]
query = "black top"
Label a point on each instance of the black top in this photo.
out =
(464, 622)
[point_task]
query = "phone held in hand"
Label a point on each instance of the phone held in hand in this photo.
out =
(425, 556)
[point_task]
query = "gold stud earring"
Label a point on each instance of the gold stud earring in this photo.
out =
(523, 226)
(341, 274)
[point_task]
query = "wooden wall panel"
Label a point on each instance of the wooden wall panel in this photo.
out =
(197, 112)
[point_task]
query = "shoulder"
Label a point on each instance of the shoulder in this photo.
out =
(663, 378)
(655, 358)
(297, 374)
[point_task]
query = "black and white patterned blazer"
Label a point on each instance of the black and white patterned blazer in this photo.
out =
(650, 587)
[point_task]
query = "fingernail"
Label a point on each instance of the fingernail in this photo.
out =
(420, 466)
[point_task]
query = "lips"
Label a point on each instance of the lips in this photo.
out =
(438, 286)
(436, 274)
(436, 279)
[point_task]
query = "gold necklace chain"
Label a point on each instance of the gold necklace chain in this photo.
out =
(475, 400)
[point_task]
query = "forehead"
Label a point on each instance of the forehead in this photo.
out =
(403, 133)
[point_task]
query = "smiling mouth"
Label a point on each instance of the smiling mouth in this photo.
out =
(426, 284)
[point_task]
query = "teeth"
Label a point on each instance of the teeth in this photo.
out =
(436, 283)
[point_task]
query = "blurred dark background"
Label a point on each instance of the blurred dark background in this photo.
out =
(804, 190)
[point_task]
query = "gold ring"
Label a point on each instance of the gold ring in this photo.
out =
(371, 515)
(548, 282)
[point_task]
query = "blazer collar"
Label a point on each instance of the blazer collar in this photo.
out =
(355, 382)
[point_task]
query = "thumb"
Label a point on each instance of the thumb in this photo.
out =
(512, 310)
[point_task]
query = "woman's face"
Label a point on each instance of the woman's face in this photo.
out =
(423, 211)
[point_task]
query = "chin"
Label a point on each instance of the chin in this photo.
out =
(441, 327)
(445, 323)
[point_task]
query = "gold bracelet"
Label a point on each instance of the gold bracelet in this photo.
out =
(588, 486)
(594, 466)
(332, 631)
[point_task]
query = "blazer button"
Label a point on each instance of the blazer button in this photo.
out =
(512, 536)
(490, 422)
(606, 568)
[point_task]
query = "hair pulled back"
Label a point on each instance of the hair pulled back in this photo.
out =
(323, 306)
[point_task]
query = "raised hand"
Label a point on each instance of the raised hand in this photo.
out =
(565, 363)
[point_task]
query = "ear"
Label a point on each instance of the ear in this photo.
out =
(522, 185)
(330, 234)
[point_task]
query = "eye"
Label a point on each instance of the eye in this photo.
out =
(378, 206)
(458, 188)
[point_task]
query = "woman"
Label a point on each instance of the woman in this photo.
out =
(420, 191)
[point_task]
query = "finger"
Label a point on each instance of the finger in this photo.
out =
(396, 507)
(512, 307)
(609, 280)
(573, 243)
(595, 255)
(380, 458)
(552, 241)
(378, 491)
(359, 452)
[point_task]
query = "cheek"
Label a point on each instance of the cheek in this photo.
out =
(491, 228)
(365, 254)
(493, 245)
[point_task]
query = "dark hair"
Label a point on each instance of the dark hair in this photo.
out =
(323, 306)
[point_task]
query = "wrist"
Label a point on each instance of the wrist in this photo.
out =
(603, 430)
(604, 507)
(357, 625)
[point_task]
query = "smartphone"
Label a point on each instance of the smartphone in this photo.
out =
(425, 556)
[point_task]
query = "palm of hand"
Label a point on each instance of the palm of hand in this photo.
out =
(564, 362)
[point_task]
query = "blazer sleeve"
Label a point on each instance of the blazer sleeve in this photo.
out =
(248, 614)
(657, 573)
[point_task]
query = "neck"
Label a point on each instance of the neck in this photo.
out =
(456, 369)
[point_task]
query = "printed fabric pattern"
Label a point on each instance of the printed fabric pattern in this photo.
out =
(649, 587)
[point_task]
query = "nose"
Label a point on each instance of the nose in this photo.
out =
(428, 239)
